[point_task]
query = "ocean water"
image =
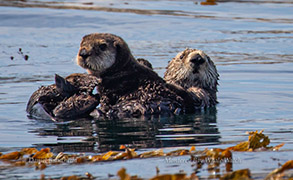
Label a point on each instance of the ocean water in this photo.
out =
(249, 41)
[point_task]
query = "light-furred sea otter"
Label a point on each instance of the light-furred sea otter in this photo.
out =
(193, 70)
(127, 88)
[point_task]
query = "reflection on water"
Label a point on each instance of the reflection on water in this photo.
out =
(96, 135)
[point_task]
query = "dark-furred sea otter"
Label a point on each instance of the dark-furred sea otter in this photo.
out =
(68, 98)
(127, 88)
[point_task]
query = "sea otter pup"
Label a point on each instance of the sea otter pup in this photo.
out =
(127, 88)
(71, 97)
(193, 70)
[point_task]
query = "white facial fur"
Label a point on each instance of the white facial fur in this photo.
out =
(97, 60)
(181, 70)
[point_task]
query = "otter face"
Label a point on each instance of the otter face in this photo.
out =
(97, 53)
(192, 68)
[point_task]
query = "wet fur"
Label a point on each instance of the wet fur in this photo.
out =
(127, 88)
(199, 77)
(68, 98)
(94, 58)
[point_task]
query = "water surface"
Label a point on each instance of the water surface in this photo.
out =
(249, 41)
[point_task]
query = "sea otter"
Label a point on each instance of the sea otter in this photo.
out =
(193, 70)
(127, 88)
(68, 98)
(71, 97)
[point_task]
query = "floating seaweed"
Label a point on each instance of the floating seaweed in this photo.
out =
(208, 2)
(213, 158)
(256, 141)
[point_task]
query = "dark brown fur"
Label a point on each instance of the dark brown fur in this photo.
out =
(68, 98)
(145, 62)
(128, 88)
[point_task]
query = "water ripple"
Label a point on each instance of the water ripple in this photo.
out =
(93, 7)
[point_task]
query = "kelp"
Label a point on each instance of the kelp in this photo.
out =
(87, 176)
(256, 141)
(124, 176)
(29, 151)
(208, 2)
(213, 158)
(278, 173)
(242, 174)
(11, 156)
(43, 154)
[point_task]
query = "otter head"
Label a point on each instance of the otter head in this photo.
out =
(99, 52)
(192, 68)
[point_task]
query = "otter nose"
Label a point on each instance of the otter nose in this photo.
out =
(83, 53)
(197, 59)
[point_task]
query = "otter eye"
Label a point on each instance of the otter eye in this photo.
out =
(182, 56)
(103, 47)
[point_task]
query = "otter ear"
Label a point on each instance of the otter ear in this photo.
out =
(122, 50)
(117, 44)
